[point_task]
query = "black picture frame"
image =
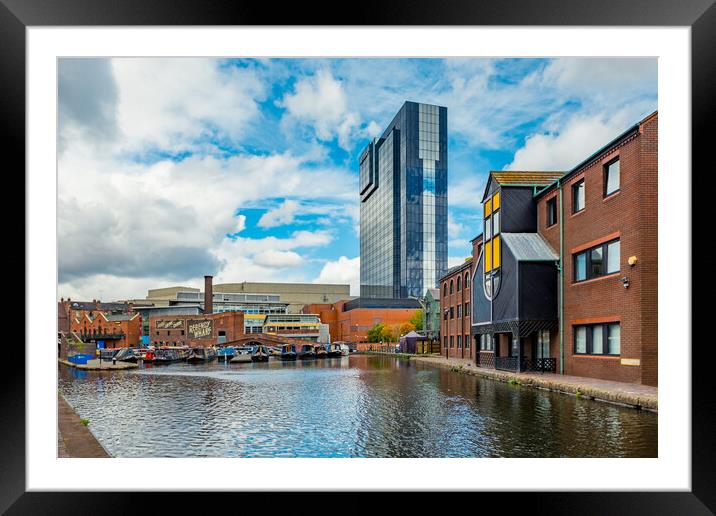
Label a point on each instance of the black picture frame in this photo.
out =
(700, 15)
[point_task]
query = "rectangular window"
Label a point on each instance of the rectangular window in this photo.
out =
(459, 311)
(597, 261)
(580, 267)
(580, 339)
(451, 341)
(611, 178)
(552, 212)
(614, 339)
(578, 196)
(613, 257)
(466, 340)
(496, 223)
(488, 228)
(597, 339)
(467, 309)
(459, 341)
(445, 342)
(543, 344)
(452, 312)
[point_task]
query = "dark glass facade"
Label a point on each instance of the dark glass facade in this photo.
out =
(403, 210)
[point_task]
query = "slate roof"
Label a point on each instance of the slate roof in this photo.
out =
(529, 247)
(526, 178)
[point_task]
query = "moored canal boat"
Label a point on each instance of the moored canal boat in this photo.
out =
(288, 352)
(241, 357)
(198, 355)
(334, 350)
(321, 351)
(225, 354)
(260, 354)
(169, 355)
(307, 352)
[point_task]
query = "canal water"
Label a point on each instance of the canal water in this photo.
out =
(358, 406)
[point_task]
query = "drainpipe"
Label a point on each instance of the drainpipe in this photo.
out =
(561, 279)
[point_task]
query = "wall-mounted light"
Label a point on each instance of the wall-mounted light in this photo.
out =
(625, 281)
(632, 261)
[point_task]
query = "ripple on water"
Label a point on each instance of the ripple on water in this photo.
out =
(350, 407)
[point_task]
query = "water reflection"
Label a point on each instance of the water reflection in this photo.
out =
(362, 406)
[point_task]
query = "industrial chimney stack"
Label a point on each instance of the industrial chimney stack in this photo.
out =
(208, 295)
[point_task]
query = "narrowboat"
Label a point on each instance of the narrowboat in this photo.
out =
(201, 355)
(241, 357)
(307, 352)
(260, 354)
(321, 351)
(169, 355)
(127, 355)
(225, 354)
(345, 350)
(288, 352)
(334, 350)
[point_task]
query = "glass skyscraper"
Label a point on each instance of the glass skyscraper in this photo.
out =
(403, 209)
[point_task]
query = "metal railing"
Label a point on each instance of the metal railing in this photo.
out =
(543, 365)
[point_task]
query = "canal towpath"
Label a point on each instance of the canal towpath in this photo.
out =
(74, 439)
(630, 394)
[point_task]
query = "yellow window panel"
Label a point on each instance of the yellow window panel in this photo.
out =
(488, 256)
(496, 252)
(496, 202)
(488, 207)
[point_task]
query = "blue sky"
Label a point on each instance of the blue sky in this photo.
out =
(170, 169)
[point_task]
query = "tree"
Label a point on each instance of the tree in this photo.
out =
(417, 320)
(375, 333)
(386, 335)
(406, 328)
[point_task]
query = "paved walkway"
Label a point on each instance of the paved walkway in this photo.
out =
(73, 438)
(95, 365)
(636, 395)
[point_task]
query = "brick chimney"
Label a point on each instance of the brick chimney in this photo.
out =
(208, 295)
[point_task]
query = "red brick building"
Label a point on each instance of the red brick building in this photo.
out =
(455, 310)
(568, 272)
(349, 321)
(196, 330)
(117, 329)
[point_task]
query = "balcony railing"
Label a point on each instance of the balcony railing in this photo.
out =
(101, 336)
(543, 365)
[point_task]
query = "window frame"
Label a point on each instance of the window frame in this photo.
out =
(551, 205)
(604, 246)
(575, 189)
(589, 340)
(605, 177)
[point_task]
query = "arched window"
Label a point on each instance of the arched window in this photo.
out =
(444, 289)
(451, 286)
(467, 280)
(458, 283)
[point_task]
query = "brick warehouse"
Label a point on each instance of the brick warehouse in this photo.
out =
(196, 330)
(349, 321)
(117, 324)
(456, 306)
(596, 315)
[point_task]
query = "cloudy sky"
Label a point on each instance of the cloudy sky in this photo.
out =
(246, 169)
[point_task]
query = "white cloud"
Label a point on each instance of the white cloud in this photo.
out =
(277, 259)
(342, 271)
(282, 215)
(577, 139)
(456, 260)
(321, 101)
(170, 103)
